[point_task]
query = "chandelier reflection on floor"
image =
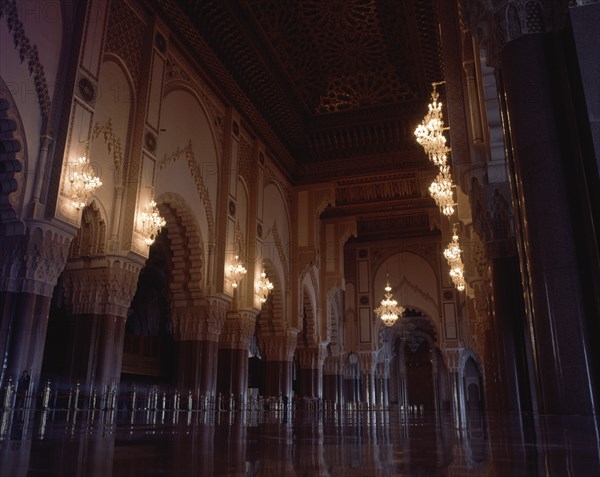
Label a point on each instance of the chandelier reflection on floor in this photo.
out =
(389, 311)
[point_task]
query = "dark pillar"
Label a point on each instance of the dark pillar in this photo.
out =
(278, 352)
(553, 284)
(22, 335)
(310, 363)
(95, 345)
(29, 267)
(197, 330)
(234, 344)
(98, 300)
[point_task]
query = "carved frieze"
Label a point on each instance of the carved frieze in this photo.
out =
(28, 53)
(279, 346)
(33, 262)
(125, 37)
(106, 289)
(201, 322)
(238, 330)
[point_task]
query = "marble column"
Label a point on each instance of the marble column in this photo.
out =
(197, 330)
(332, 380)
(98, 300)
(452, 360)
(278, 354)
(553, 280)
(234, 343)
(29, 267)
(310, 364)
(368, 363)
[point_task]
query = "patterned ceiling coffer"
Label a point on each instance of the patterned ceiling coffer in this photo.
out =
(343, 54)
(320, 80)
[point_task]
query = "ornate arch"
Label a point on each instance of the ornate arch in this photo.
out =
(12, 160)
(196, 173)
(90, 240)
(186, 245)
(271, 318)
(464, 357)
(214, 120)
(28, 53)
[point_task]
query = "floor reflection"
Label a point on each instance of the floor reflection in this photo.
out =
(154, 443)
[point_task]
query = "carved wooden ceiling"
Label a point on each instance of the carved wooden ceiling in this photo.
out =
(333, 81)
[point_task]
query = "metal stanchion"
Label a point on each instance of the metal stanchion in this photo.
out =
(46, 395)
(8, 394)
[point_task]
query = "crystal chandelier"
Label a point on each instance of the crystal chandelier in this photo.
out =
(152, 222)
(235, 271)
(430, 133)
(441, 191)
(83, 182)
(389, 311)
(452, 254)
(263, 287)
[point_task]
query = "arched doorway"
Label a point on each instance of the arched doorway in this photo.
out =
(148, 353)
(418, 367)
(473, 393)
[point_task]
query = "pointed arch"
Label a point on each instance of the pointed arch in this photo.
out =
(90, 240)
(186, 244)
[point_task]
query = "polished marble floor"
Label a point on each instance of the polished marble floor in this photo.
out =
(377, 443)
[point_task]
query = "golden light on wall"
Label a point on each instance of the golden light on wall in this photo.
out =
(152, 222)
(83, 182)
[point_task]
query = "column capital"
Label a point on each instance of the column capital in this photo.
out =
(368, 361)
(279, 346)
(200, 322)
(238, 329)
(311, 357)
(452, 358)
(332, 365)
(32, 262)
(105, 287)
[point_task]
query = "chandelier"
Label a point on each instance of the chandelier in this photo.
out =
(441, 191)
(83, 182)
(452, 254)
(430, 135)
(152, 222)
(235, 271)
(263, 287)
(410, 335)
(389, 311)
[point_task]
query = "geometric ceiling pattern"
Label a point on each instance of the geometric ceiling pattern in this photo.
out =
(341, 54)
(333, 80)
